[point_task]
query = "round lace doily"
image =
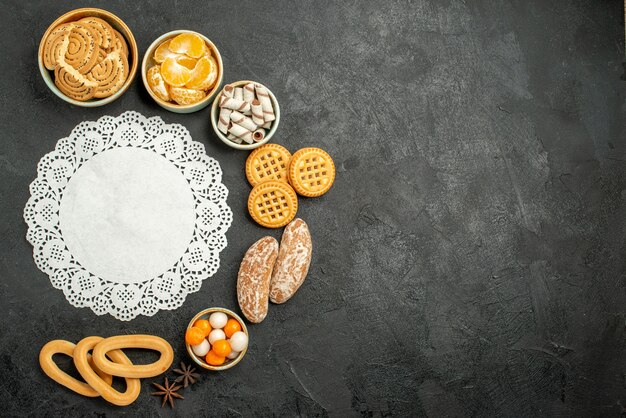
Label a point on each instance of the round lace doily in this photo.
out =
(128, 215)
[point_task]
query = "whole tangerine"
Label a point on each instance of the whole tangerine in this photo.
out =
(221, 348)
(213, 359)
(194, 336)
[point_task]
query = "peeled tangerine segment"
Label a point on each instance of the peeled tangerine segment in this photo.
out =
(157, 84)
(189, 44)
(184, 96)
(174, 74)
(204, 74)
(163, 52)
(186, 61)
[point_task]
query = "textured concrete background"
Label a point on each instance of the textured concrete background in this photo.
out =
(469, 259)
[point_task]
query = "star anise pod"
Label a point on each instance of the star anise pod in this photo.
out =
(168, 392)
(187, 375)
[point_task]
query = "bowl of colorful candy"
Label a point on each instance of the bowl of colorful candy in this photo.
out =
(216, 339)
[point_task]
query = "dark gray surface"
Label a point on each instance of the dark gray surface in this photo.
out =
(469, 259)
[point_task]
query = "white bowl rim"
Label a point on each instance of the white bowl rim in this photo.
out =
(176, 107)
(247, 147)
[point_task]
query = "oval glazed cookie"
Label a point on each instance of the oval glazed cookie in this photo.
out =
(292, 264)
(253, 280)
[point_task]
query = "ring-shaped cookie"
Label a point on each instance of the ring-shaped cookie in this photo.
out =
(149, 342)
(133, 386)
(53, 371)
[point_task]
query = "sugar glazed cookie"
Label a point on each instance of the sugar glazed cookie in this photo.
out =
(253, 280)
(292, 264)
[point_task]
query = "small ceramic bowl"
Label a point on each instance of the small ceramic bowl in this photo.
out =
(111, 19)
(229, 363)
(215, 114)
(148, 62)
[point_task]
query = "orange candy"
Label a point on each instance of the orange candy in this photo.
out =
(204, 325)
(194, 336)
(221, 348)
(231, 327)
(213, 359)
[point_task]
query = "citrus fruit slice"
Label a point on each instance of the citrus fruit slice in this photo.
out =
(174, 74)
(184, 96)
(163, 51)
(204, 74)
(186, 61)
(189, 44)
(157, 84)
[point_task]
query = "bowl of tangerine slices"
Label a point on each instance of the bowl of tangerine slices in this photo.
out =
(182, 70)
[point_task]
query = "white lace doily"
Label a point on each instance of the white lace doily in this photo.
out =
(128, 215)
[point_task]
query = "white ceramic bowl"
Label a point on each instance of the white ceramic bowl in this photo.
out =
(111, 19)
(148, 61)
(229, 363)
(215, 113)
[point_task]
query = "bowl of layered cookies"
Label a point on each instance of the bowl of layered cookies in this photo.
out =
(88, 57)
(182, 71)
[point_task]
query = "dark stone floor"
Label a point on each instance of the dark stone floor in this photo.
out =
(469, 259)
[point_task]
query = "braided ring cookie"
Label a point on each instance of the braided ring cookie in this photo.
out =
(311, 172)
(150, 342)
(133, 386)
(53, 371)
(273, 204)
(268, 162)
